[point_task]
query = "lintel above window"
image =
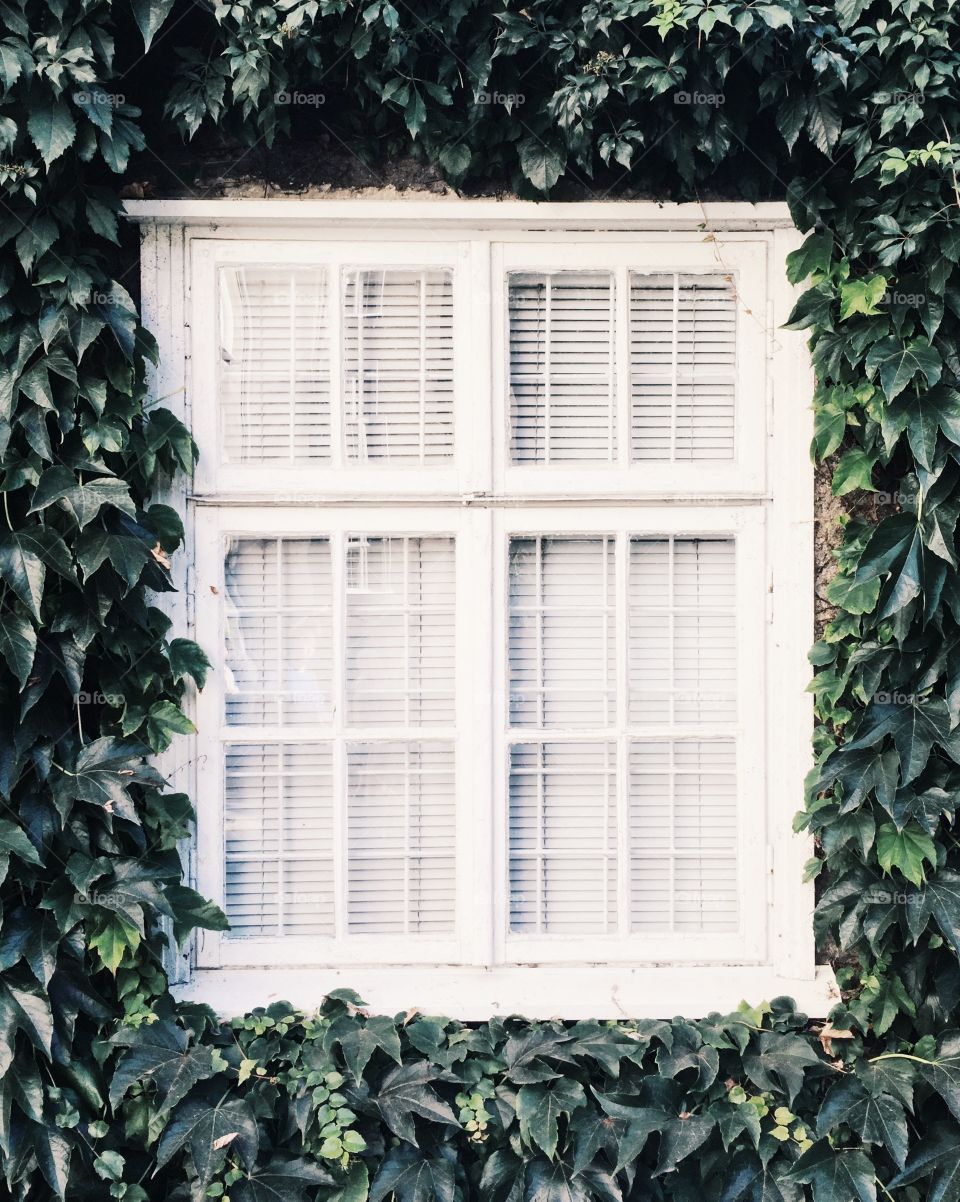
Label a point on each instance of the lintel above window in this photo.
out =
(502, 552)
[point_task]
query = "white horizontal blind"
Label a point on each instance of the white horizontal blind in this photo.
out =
(285, 600)
(683, 362)
(274, 365)
(399, 671)
(398, 365)
(562, 640)
(672, 798)
(683, 836)
(562, 367)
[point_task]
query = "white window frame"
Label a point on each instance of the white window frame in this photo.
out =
(763, 497)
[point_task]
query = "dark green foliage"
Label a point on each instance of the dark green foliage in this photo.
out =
(107, 1087)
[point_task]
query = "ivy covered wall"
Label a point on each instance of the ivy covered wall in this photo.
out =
(107, 1087)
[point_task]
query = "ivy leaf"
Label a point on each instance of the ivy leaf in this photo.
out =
(23, 571)
(126, 555)
(53, 1150)
(150, 15)
(404, 1092)
(941, 901)
(412, 1177)
(923, 416)
(755, 1179)
(283, 1179)
(164, 720)
(944, 1073)
(823, 120)
(359, 1042)
(878, 1119)
(15, 841)
(680, 1138)
(905, 849)
(899, 363)
(862, 296)
(191, 910)
(51, 127)
(159, 1054)
(540, 163)
(837, 1175)
(539, 1108)
(936, 1156)
(187, 658)
(813, 256)
(58, 485)
(114, 938)
(778, 1061)
(855, 470)
(211, 1130)
(915, 727)
(853, 595)
(18, 645)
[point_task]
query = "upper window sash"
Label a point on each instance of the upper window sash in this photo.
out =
(658, 357)
(517, 368)
(331, 367)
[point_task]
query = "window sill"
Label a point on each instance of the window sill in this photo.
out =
(569, 991)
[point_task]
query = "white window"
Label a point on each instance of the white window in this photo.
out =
(502, 552)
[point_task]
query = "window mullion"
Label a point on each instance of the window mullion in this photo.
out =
(338, 397)
(340, 815)
(621, 354)
(622, 567)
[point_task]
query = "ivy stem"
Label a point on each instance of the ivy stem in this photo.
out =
(885, 1190)
(899, 1056)
(6, 510)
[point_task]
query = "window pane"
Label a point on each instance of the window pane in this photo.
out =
(274, 365)
(675, 796)
(562, 624)
(400, 631)
(683, 836)
(278, 839)
(398, 366)
(683, 358)
(682, 631)
(563, 821)
(279, 631)
(401, 837)
(562, 367)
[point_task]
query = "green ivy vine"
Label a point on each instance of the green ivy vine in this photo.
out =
(108, 1087)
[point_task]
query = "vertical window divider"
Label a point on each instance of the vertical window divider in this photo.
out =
(547, 368)
(341, 848)
(622, 568)
(423, 368)
(621, 354)
(281, 715)
(338, 392)
(674, 370)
